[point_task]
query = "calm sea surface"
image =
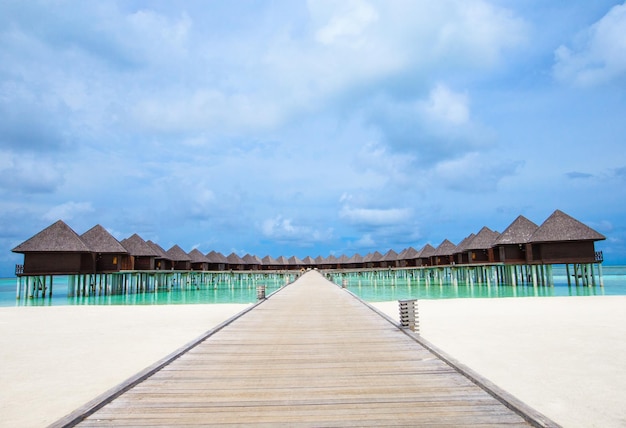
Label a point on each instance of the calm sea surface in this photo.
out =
(614, 278)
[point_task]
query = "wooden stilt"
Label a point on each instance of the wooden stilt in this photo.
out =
(600, 275)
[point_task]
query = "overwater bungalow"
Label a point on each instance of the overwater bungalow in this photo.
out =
(461, 256)
(217, 261)
(343, 261)
(425, 255)
(199, 261)
(109, 255)
(330, 262)
(162, 261)
(142, 255)
(480, 248)
(235, 262)
(373, 260)
(443, 254)
(180, 259)
(270, 263)
(295, 263)
(252, 262)
(355, 262)
(56, 250)
(389, 260)
(283, 262)
(512, 244)
(408, 257)
(562, 239)
(320, 261)
(309, 262)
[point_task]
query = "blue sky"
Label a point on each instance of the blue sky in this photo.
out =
(310, 128)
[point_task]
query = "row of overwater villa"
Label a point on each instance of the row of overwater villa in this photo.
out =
(96, 262)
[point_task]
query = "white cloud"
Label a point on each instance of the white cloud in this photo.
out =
(283, 229)
(349, 23)
(27, 173)
(375, 216)
(446, 106)
(366, 241)
(68, 211)
(473, 172)
(600, 54)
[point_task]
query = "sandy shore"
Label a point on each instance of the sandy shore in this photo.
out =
(563, 356)
(55, 359)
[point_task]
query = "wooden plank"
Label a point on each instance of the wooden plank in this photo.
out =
(311, 354)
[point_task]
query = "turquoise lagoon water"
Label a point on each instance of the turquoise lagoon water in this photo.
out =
(614, 278)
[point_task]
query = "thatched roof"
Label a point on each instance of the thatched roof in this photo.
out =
(446, 248)
(310, 261)
(390, 256)
(343, 260)
(58, 237)
(197, 256)
(331, 259)
(427, 251)
(320, 260)
(561, 227)
(356, 259)
(483, 240)
(162, 254)
(463, 244)
(215, 257)
(100, 241)
(177, 254)
(269, 261)
(408, 254)
(373, 257)
(295, 261)
(518, 232)
(136, 246)
(282, 260)
(252, 260)
(234, 259)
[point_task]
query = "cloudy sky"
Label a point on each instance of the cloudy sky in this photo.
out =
(310, 127)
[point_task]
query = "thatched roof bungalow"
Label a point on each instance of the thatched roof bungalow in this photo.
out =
(57, 249)
(199, 261)
(389, 260)
(461, 256)
(162, 261)
(109, 255)
(408, 257)
(142, 255)
(309, 261)
(512, 244)
(235, 262)
(270, 263)
(217, 261)
(373, 260)
(180, 259)
(295, 263)
(355, 262)
(443, 254)
(252, 262)
(480, 248)
(425, 255)
(563, 239)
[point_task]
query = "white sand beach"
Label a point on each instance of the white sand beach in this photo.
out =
(565, 357)
(55, 359)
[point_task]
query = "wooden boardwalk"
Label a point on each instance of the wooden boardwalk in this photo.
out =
(309, 355)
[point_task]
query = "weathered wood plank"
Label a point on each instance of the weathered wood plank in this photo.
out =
(310, 355)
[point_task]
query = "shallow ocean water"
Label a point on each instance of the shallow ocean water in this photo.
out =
(614, 279)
